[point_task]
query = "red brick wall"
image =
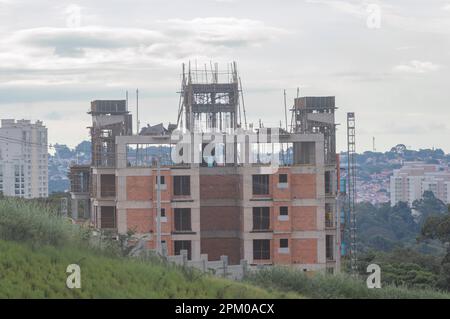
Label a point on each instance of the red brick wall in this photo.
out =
(140, 220)
(276, 224)
(283, 259)
(304, 251)
(281, 193)
(216, 247)
(140, 187)
(220, 218)
(304, 218)
(219, 186)
(303, 186)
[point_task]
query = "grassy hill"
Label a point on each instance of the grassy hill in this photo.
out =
(27, 272)
(36, 246)
(341, 286)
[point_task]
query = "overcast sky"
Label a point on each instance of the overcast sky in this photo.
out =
(391, 69)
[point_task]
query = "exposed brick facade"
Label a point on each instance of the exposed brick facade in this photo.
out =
(304, 218)
(303, 186)
(140, 188)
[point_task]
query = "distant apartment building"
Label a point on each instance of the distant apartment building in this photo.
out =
(241, 209)
(23, 159)
(410, 182)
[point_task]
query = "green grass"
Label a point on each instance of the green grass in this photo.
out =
(334, 286)
(36, 246)
(27, 272)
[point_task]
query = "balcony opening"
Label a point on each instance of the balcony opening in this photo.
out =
(261, 249)
(182, 185)
(260, 184)
(261, 218)
(108, 217)
(328, 183)
(182, 220)
(329, 220)
(329, 242)
(108, 185)
(305, 153)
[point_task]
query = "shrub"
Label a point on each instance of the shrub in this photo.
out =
(31, 222)
(338, 286)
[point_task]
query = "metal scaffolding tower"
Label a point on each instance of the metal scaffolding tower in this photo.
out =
(351, 183)
(210, 99)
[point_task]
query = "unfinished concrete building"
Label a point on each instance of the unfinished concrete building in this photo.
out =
(225, 205)
(80, 186)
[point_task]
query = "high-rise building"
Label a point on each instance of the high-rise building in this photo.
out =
(230, 201)
(414, 178)
(23, 159)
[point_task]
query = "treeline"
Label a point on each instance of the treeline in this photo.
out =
(408, 243)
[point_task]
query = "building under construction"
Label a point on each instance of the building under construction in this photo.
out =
(232, 201)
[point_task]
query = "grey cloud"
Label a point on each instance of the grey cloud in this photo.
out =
(74, 40)
(101, 49)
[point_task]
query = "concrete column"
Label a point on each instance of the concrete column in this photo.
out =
(74, 206)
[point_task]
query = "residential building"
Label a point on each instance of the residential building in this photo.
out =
(408, 183)
(231, 201)
(23, 159)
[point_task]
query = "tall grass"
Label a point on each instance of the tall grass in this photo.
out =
(31, 222)
(37, 245)
(338, 286)
(27, 272)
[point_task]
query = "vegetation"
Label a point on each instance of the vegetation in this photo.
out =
(35, 223)
(411, 251)
(37, 245)
(437, 227)
(27, 272)
(405, 267)
(334, 286)
(385, 228)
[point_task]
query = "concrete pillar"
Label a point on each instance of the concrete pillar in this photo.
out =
(224, 260)
(74, 206)
(184, 254)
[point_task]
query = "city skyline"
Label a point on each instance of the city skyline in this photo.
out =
(392, 74)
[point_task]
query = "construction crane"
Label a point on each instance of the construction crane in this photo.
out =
(351, 193)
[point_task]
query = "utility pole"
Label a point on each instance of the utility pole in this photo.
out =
(158, 207)
(137, 112)
(285, 110)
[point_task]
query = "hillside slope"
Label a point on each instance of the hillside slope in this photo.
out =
(26, 272)
(36, 246)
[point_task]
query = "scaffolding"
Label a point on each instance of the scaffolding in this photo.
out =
(80, 187)
(110, 118)
(315, 114)
(80, 176)
(210, 99)
(351, 184)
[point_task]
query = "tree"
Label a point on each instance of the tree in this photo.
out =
(428, 206)
(438, 227)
